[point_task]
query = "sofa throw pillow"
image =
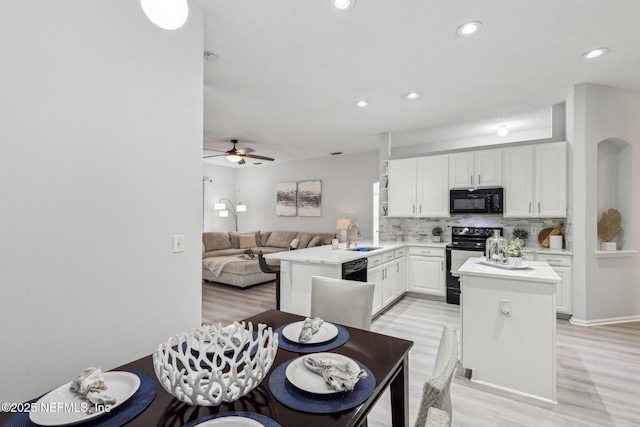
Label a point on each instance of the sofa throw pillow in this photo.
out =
(235, 241)
(264, 237)
(281, 239)
(316, 241)
(214, 240)
(247, 241)
(294, 244)
(304, 240)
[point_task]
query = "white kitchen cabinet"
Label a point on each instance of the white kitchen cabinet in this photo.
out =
(482, 168)
(426, 270)
(551, 180)
(374, 275)
(388, 278)
(419, 187)
(535, 181)
(400, 266)
(561, 264)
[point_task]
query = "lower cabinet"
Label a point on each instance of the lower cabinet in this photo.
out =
(561, 264)
(400, 272)
(427, 270)
(374, 275)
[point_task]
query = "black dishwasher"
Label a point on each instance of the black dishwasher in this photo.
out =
(355, 270)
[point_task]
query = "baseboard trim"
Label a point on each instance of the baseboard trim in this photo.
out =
(600, 322)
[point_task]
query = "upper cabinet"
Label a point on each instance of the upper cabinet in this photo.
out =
(535, 181)
(419, 187)
(471, 169)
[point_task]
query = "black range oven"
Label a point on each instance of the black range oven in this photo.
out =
(466, 242)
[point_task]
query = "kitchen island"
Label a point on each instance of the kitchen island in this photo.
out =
(508, 327)
(298, 266)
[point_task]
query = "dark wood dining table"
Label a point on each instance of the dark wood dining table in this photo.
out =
(387, 357)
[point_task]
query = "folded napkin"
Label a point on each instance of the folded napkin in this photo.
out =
(309, 327)
(235, 341)
(338, 376)
(90, 385)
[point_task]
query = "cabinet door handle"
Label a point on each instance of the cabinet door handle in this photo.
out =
(538, 207)
(554, 260)
(398, 268)
(529, 207)
(425, 252)
(479, 180)
(471, 179)
(414, 208)
(420, 208)
(441, 266)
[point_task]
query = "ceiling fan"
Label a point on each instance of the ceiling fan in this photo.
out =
(238, 155)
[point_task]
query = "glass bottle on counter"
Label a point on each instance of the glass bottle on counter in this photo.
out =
(496, 248)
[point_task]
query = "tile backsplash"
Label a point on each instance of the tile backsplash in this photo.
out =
(411, 229)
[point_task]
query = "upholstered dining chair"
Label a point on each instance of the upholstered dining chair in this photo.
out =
(436, 391)
(268, 268)
(347, 302)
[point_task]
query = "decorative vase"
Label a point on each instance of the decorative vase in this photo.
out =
(495, 251)
(608, 246)
(436, 239)
(515, 261)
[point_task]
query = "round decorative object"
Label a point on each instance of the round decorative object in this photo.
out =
(234, 363)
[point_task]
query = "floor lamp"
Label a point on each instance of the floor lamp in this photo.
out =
(224, 210)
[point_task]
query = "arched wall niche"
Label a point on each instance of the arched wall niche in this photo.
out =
(615, 181)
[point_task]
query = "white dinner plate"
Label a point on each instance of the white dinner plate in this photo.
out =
(306, 380)
(62, 406)
(231, 422)
(326, 332)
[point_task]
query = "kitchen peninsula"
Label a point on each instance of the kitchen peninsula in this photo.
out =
(512, 313)
(386, 269)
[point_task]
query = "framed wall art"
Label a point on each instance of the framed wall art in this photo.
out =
(286, 199)
(309, 198)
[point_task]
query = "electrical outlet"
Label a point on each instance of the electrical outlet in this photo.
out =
(178, 243)
(534, 231)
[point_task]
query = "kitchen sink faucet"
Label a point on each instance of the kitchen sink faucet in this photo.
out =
(349, 235)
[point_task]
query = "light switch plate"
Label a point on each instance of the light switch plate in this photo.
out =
(178, 243)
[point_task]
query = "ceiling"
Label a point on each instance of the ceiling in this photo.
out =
(286, 74)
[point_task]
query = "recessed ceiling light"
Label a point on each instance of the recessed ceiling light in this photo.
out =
(595, 53)
(469, 28)
(362, 103)
(503, 131)
(344, 4)
(168, 15)
(412, 95)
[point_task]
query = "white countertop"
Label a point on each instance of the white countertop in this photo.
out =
(326, 255)
(537, 271)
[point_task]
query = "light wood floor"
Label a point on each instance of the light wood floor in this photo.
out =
(598, 370)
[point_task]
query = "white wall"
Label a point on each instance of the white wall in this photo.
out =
(605, 289)
(223, 185)
(101, 140)
(347, 191)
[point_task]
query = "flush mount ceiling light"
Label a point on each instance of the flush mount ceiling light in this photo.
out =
(362, 103)
(469, 28)
(344, 4)
(412, 95)
(595, 53)
(503, 131)
(166, 14)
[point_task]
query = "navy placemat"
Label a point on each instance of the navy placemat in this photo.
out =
(300, 400)
(265, 421)
(120, 415)
(285, 344)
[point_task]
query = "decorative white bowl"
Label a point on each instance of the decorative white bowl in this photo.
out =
(207, 367)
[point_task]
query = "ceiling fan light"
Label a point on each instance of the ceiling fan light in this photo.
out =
(503, 131)
(166, 14)
(234, 158)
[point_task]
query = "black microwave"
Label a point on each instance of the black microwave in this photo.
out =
(476, 201)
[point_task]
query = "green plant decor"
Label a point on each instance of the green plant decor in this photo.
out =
(519, 233)
(515, 250)
(249, 253)
(436, 231)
